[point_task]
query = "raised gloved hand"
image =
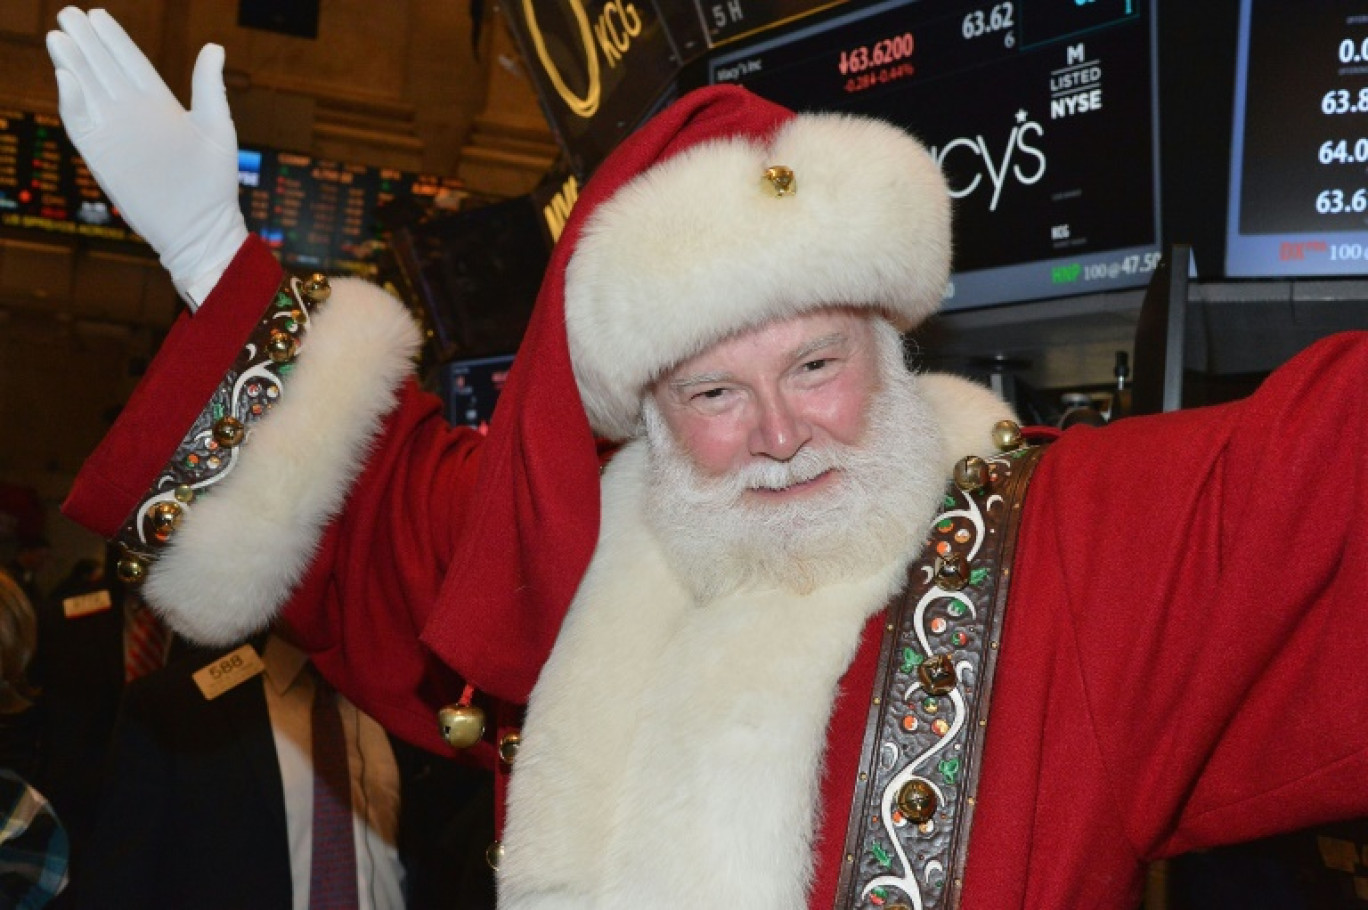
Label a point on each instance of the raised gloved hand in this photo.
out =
(172, 173)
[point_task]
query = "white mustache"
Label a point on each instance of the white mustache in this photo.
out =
(805, 465)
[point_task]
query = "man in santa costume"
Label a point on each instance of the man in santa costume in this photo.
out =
(772, 660)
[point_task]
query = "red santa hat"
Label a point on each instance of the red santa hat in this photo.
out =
(729, 211)
(678, 241)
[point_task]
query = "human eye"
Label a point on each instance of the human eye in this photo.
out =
(711, 394)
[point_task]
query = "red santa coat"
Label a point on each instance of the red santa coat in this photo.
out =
(1180, 665)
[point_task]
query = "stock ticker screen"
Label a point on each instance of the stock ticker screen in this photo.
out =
(314, 214)
(1042, 114)
(44, 184)
(318, 214)
(1299, 152)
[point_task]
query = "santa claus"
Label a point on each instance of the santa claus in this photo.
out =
(1151, 648)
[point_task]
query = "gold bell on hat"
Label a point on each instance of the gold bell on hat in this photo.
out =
(781, 180)
(462, 725)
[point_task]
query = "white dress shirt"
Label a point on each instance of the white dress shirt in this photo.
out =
(375, 792)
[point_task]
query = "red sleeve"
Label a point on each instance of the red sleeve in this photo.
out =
(197, 352)
(380, 568)
(1182, 665)
(438, 567)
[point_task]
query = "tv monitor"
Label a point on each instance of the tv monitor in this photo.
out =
(470, 388)
(1042, 113)
(1298, 201)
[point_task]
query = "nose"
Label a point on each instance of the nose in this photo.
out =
(780, 430)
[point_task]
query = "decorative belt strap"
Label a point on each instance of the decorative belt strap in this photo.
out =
(210, 449)
(914, 799)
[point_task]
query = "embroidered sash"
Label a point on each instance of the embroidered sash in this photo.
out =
(908, 833)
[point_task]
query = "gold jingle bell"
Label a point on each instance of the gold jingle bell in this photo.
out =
(1007, 435)
(781, 180)
(937, 674)
(131, 570)
(462, 725)
(916, 800)
(281, 346)
(316, 288)
(508, 747)
(952, 572)
(165, 517)
(494, 854)
(971, 473)
(229, 431)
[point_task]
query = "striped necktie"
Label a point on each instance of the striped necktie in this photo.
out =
(145, 639)
(332, 874)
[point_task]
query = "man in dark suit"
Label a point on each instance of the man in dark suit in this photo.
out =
(202, 806)
(81, 666)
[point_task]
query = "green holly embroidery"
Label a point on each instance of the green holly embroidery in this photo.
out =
(911, 660)
(949, 770)
(881, 856)
(978, 576)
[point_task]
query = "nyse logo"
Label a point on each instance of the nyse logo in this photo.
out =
(1019, 160)
(1075, 88)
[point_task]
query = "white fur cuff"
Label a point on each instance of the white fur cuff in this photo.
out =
(240, 551)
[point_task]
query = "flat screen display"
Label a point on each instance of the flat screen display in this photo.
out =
(1299, 143)
(314, 213)
(471, 388)
(320, 214)
(46, 186)
(1042, 113)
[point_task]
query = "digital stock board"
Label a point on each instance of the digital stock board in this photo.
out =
(1042, 114)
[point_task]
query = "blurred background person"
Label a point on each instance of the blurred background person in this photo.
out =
(33, 844)
(238, 778)
(19, 713)
(94, 637)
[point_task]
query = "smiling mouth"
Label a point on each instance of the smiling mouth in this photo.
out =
(796, 489)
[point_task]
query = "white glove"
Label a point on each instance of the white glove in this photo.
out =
(172, 174)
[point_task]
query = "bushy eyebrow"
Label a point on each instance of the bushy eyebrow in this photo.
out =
(699, 379)
(799, 353)
(818, 344)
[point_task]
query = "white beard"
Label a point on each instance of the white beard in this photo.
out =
(673, 747)
(721, 541)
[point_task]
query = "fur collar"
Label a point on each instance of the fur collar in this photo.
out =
(672, 750)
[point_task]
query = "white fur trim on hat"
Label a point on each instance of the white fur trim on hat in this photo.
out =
(698, 247)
